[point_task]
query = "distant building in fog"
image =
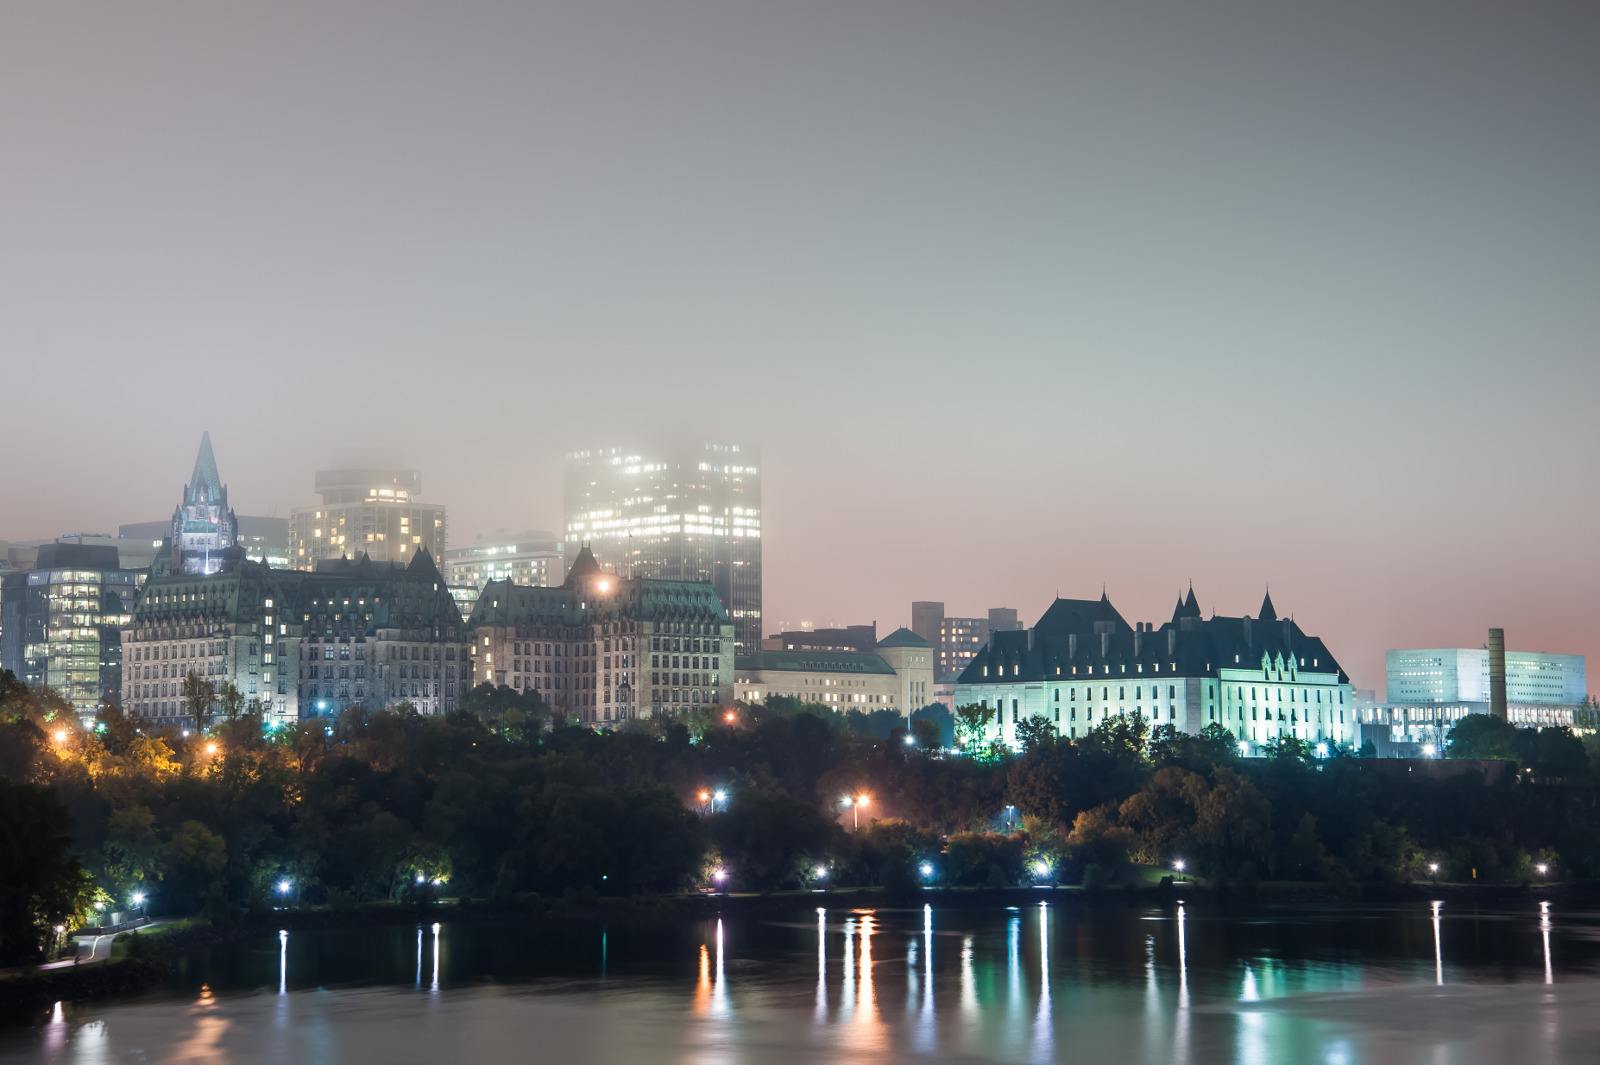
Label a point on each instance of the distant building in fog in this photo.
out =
(531, 558)
(689, 512)
(366, 511)
(955, 640)
(846, 638)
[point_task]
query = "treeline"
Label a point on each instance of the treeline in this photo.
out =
(500, 800)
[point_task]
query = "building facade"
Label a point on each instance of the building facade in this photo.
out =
(529, 558)
(842, 638)
(957, 640)
(1260, 678)
(1461, 675)
(604, 649)
(374, 511)
(896, 675)
(687, 512)
(61, 622)
(296, 644)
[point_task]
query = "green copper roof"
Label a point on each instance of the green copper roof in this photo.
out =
(902, 637)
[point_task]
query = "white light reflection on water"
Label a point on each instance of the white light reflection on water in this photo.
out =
(927, 1037)
(1043, 1024)
(1544, 933)
(283, 961)
(434, 987)
(969, 992)
(847, 994)
(719, 987)
(1180, 1035)
(1014, 970)
(1438, 949)
(822, 964)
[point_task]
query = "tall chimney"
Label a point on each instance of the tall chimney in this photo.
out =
(1497, 673)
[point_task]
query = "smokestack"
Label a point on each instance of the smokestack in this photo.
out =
(1497, 673)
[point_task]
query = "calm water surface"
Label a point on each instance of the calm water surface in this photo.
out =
(1061, 979)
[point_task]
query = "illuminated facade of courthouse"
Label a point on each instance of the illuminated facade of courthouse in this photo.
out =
(1260, 677)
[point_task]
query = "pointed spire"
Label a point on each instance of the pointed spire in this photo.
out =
(1191, 605)
(204, 482)
(1267, 611)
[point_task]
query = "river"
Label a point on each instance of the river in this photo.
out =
(1057, 978)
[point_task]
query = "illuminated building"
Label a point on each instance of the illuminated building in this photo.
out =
(847, 638)
(682, 513)
(371, 511)
(353, 632)
(896, 675)
(1428, 691)
(531, 558)
(955, 641)
(204, 534)
(1260, 678)
(61, 621)
(603, 648)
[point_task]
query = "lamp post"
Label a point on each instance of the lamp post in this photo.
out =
(1178, 866)
(854, 803)
(137, 898)
(1011, 817)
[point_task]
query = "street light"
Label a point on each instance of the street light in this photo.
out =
(1322, 750)
(719, 797)
(60, 735)
(1542, 869)
(1041, 868)
(137, 898)
(909, 740)
(1179, 865)
(1429, 750)
(820, 873)
(854, 804)
(719, 876)
(730, 717)
(1433, 869)
(212, 748)
(926, 869)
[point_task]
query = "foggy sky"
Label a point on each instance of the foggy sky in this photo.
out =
(1016, 297)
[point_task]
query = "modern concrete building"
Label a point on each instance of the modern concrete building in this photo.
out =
(1430, 690)
(956, 640)
(681, 512)
(530, 558)
(1260, 677)
(61, 621)
(371, 511)
(896, 675)
(1418, 676)
(296, 644)
(604, 649)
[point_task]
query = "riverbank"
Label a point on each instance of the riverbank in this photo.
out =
(143, 961)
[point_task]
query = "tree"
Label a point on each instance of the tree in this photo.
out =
(1482, 736)
(41, 882)
(972, 723)
(1035, 731)
(198, 696)
(231, 700)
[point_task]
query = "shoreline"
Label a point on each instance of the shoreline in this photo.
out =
(149, 958)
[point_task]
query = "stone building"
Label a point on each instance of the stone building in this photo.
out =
(897, 675)
(603, 649)
(1257, 677)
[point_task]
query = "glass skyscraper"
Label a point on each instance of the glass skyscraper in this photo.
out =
(686, 512)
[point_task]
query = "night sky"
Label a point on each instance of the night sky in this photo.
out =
(1016, 297)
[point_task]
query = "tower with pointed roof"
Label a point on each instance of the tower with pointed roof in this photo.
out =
(205, 530)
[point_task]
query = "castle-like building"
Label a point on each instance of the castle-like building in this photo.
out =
(1259, 677)
(603, 648)
(205, 531)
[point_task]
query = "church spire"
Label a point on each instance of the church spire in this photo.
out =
(205, 484)
(1268, 613)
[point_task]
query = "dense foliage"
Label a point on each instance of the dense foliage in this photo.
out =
(498, 801)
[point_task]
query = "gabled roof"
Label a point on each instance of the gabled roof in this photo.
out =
(902, 637)
(583, 567)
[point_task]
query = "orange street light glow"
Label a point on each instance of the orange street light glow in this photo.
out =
(211, 748)
(60, 735)
(730, 717)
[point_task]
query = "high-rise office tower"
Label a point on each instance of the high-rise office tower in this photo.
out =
(684, 512)
(372, 512)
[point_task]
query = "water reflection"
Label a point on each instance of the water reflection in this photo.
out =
(719, 988)
(1438, 949)
(283, 961)
(1043, 1029)
(434, 987)
(1544, 934)
(969, 992)
(927, 1032)
(822, 964)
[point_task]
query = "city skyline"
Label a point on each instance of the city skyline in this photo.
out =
(1082, 296)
